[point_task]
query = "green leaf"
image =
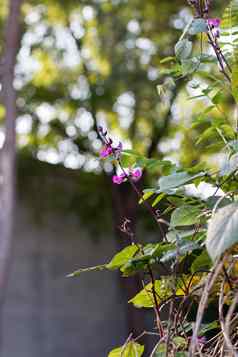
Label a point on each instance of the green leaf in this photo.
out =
(167, 59)
(122, 257)
(130, 152)
(158, 199)
(152, 253)
(146, 195)
(161, 350)
(212, 201)
(180, 342)
(132, 349)
(185, 216)
(218, 97)
(190, 65)
(135, 265)
(222, 231)
(202, 262)
(175, 180)
(208, 327)
(173, 235)
(183, 248)
(145, 297)
(198, 26)
(85, 270)
(208, 134)
(157, 250)
(183, 49)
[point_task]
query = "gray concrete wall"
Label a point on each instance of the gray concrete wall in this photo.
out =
(48, 315)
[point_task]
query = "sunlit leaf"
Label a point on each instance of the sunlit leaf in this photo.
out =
(145, 297)
(146, 195)
(222, 231)
(158, 199)
(122, 257)
(132, 349)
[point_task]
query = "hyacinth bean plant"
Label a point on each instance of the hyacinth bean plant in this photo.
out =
(197, 245)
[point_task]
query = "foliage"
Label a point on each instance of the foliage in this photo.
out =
(197, 233)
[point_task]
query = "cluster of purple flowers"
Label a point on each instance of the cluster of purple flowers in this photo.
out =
(214, 26)
(109, 150)
(134, 174)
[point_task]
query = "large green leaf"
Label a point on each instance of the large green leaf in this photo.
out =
(132, 349)
(178, 179)
(222, 231)
(185, 216)
(122, 257)
(145, 297)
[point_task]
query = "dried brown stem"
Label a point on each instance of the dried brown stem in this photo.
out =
(212, 276)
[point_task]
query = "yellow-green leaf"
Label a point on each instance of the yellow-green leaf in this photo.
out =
(132, 349)
(122, 257)
(145, 297)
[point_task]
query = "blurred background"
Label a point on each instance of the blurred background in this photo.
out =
(81, 64)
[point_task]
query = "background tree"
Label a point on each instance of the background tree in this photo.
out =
(8, 152)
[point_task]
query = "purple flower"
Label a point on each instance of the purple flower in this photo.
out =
(106, 151)
(214, 22)
(136, 174)
(214, 25)
(118, 179)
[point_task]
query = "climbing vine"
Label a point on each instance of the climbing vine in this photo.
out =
(194, 263)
